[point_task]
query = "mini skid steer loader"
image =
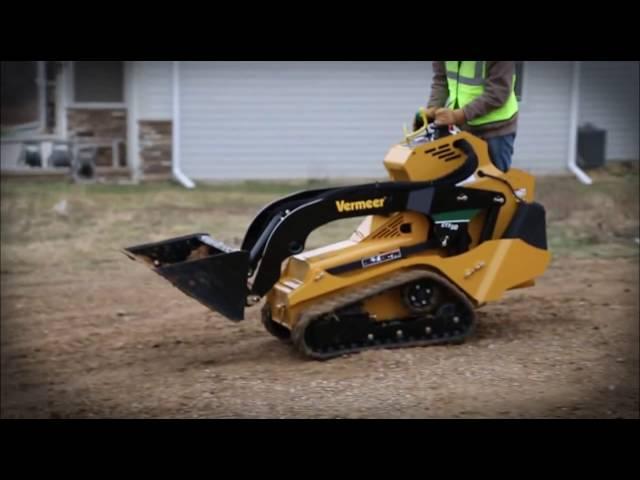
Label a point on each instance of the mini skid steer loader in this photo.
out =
(448, 233)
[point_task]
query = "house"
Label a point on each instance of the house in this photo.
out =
(285, 119)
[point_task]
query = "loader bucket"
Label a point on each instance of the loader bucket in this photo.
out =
(203, 268)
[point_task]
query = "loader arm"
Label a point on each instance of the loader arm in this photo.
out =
(282, 206)
(286, 235)
(273, 209)
(281, 228)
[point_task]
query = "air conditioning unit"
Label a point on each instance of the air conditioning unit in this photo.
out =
(592, 142)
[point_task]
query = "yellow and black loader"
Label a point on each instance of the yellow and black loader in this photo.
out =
(448, 233)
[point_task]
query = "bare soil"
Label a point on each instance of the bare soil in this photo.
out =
(87, 333)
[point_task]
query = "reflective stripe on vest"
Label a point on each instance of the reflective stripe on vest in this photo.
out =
(465, 80)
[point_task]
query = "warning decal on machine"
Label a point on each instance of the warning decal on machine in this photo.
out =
(381, 258)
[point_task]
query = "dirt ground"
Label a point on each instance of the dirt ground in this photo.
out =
(87, 333)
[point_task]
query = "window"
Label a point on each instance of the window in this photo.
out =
(20, 94)
(519, 80)
(98, 82)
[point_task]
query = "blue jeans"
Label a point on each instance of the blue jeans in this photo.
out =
(501, 150)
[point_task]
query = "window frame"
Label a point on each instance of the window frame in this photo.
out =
(71, 93)
(38, 125)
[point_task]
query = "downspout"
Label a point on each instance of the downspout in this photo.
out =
(133, 128)
(62, 92)
(573, 127)
(175, 141)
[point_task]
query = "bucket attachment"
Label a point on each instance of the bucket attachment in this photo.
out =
(203, 268)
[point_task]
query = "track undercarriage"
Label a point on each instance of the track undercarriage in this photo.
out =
(439, 313)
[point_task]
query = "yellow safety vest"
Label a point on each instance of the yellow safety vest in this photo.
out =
(466, 83)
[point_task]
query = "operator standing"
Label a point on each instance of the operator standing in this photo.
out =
(479, 97)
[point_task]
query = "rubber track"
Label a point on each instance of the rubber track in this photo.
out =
(343, 300)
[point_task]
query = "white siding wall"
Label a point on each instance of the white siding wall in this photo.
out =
(333, 119)
(609, 99)
(542, 142)
(154, 90)
(295, 119)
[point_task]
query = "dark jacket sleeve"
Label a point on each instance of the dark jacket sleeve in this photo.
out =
(439, 88)
(498, 86)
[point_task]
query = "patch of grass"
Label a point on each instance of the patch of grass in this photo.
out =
(596, 220)
(12, 187)
(568, 242)
(593, 220)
